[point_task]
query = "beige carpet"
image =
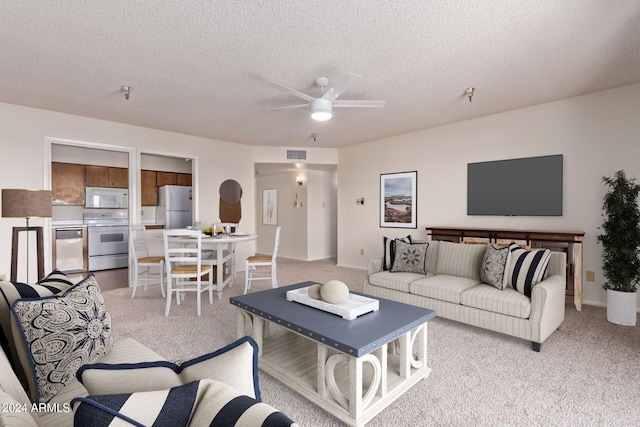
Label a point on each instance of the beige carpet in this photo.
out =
(588, 373)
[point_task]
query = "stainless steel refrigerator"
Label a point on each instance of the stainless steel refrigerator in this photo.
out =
(174, 206)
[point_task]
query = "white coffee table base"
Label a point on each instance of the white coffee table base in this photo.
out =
(352, 389)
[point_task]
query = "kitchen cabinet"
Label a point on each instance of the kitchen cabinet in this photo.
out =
(118, 178)
(166, 178)
(173, 178)
(184, 179)
(108, 177)
(149, 188)
(67, 184)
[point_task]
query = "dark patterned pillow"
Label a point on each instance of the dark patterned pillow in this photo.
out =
(411, 258)
(55, 283)
(389, 251)
(494, 265)
(198, 403)
(527, 268)
(60, 334)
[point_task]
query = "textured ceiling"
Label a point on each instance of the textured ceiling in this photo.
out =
(202, 67)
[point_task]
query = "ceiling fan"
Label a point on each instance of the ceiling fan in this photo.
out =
(321, 107)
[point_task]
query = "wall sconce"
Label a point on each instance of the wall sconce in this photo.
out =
(299, 180)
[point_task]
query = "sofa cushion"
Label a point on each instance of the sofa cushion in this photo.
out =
(198, 403)
(410, 258)
(125, 350)
(15, 413)
(61, 334)
(235, 364)
(526, 268)
(389, 250)
(494, 265)
(442, 287)
(55, 283)
(507, 301)
(459, 259)
(396, 281)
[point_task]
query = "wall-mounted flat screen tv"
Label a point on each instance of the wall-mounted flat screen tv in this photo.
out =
(525, 187)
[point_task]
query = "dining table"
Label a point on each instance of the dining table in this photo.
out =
(219, 244)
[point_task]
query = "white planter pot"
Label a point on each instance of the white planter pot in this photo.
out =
(621, 307)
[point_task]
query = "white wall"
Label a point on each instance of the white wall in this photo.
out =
(322, 215)
(22, 131)
(597, 134)
(309, 230)
(293, 237)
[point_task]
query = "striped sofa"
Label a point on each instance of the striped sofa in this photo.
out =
(452, 286)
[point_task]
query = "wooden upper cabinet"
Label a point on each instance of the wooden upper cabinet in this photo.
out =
(97, 176)
(118, 178)
(149, 188)
(108, 177)
(67, 184)
(166, 178)
(184, 179)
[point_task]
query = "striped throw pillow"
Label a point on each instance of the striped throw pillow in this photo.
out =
(389, 251)
(527, 268)
(199, 403)
(56, 282)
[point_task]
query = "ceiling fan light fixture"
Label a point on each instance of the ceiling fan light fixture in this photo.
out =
(321, 109)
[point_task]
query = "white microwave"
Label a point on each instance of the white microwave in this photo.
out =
(113, 198)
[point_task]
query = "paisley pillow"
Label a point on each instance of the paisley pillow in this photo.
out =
(60, 334)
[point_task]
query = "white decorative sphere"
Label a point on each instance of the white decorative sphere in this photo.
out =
(334, 292)
(314, 291)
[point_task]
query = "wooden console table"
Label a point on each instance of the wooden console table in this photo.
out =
(569, 242)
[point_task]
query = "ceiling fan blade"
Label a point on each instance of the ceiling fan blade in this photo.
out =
(293, 91)
(357, 103)
(289, 106)
(344, 84)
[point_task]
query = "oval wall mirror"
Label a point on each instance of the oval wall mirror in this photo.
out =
(230, 191)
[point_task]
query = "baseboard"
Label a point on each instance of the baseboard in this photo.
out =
(600, 304)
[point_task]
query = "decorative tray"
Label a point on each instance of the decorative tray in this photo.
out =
(354, 306)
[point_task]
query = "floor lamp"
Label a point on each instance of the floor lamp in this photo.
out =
(17, 203)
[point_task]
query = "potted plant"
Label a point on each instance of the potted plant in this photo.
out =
(621, 247)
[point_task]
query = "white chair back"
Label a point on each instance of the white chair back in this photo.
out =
(185, 270)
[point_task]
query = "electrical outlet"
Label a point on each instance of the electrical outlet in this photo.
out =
(590, 276)
(361, 251)
(3, 277)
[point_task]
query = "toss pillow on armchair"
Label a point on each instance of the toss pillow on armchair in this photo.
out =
(198, 403)
(60, 334)
(54, 283)
(235, 365)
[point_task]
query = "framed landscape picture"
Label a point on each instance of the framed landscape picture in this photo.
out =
(270, 206)
(398, 199)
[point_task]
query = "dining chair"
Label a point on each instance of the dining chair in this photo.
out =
(254, 262)
(231, 227)
(186, 271)
(143, 264)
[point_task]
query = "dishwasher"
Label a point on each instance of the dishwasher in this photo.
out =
(70, 249)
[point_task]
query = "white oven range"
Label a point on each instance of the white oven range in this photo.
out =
(108, 240)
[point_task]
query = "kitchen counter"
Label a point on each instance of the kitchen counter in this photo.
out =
(58, 223)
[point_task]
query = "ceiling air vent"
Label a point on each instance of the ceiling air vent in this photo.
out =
(297, 154)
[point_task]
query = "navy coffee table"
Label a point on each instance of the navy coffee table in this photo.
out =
(351, 368)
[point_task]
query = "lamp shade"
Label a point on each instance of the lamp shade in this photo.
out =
(18, 203)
